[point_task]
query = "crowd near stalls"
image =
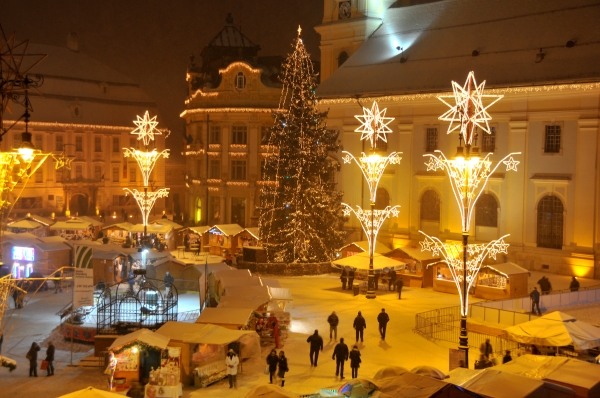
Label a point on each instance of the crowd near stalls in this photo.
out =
(117, 233)
(75, 228)
(418, 271)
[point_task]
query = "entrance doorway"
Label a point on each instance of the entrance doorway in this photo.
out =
(79, 204)
(238, 211)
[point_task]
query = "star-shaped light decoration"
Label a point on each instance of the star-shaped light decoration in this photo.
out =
(511, 164)
(146, 129)
(63, 161)
(374, 124)
(468, 112)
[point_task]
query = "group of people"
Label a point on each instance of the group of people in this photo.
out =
(394, 283)
(277, 366)
(32, 357)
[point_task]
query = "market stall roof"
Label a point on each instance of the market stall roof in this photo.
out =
(125, 226)
(24, 224)
(196, 333)
(398, 382)
(228, 316)
(234, 282)
(507, 269)
(72, 224)
(364, 245)
(270, 282)
(565, 371)
(227, 229)
(94, 222)
(247, 291)
(254, 232)
(270, 391)
(201, 230)
(212, 267)
(52, 239)
(152, 228)
(361, 261)
(242, 302)
(165, 221)
(144, 335)
(415, 253)
(556, 329)
(28, 242)
(91, 392)
(52, 246)
(41, 220)
(280, 293)
(21, 236)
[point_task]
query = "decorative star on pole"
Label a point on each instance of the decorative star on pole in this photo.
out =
(374, 124)
(146, 129)
(468, 112)
(511, 164)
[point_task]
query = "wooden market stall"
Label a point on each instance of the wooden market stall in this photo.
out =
(222, 239)
(360, 247)
(74, 229)
(417, 272)
(230, 318)
(96, 224)
(111, 263)
(197, 238)
(249, 237)
(442, 280)
(502, 281)
(118, 233)
(203, 349)
(158, 234)
(38, 226)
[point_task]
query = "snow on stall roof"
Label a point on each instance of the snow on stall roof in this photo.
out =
(364, 245)
(196, 333)
(507, 268)
(229, 316)
(438, 40)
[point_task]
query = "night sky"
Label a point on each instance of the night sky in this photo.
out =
(151, 41)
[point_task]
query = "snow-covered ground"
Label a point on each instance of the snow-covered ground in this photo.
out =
(314, 299)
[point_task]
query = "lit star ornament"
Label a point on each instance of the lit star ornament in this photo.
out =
(146, 129)
(468, 112)
(374, 124)
(511, 164)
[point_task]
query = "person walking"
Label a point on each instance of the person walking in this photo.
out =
(276, 334)
(359, 325)
(333, 322)
(110, 370)
(343, 279)
(273, 362)
(316, 344)
(383, 318)
(168, 280)
(50, 359)
(376, 281)
(399, 286)
(350, 279)
(355, 361)
(283, 367)
(574, 286)
(486, 349)
(32, 357)
(506, 358)
(535, 301)
(340, 354)
(232, 361)
(392, 281)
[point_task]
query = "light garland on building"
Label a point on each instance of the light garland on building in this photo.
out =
(214, 147)
(238, 154)
(226, 110)
(238, 183)
(71, 126)
(238, 146)
(213, 189)
(240, 64)
(213, 181)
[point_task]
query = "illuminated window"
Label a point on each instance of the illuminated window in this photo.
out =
(486, 211)
(431, 139)
(430, 206)
(550, 222)
(488, 141)
(238, 169)
(116, 145)
(97, 144)
(552, 139)
(79, 143)
(215, 135)
(239, 134)
(58, 143)
(214, 170)
(240, 81)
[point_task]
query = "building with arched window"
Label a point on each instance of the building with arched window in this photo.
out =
(404, 54)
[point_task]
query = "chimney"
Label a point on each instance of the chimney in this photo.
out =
(72, 42)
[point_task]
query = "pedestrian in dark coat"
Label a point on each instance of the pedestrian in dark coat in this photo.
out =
(343, 279)
(383, 318)
(359, 325)
(535, 301)
(50, 359)
(283, 367)
(32, 356)
(376, 280)
(506, 358)
(272, 361)
(399, 286)
(350, 279)
(355, 361)
(340, 354)
(574, 285)
(316, 344)
(392, 282)
(333, 322)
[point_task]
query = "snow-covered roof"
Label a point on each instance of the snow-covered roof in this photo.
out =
(364, 245)
(439, 41)
(200, 334)
(254, 231)
(72, 224)
(507, 268)
(230, 316)
(52, 246)
(227, 229)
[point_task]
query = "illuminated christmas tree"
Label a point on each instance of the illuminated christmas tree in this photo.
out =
(301, 216)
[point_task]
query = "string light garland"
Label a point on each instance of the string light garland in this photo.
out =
(301, 217)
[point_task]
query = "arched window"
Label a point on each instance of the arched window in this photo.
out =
(382, 200)
(240, 81)
(486, 211)
(342, 58)
(430, 206)
(550, 222)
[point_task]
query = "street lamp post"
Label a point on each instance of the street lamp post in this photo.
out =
(468, 174)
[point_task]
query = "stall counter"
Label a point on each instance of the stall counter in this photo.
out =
(154, 391)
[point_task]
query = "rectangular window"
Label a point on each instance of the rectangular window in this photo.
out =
(239, 134)
(552, 141)
(79, 143)
(238, 169)
(132, 174)
(115, 174)
(39, 142)
(214, 171)
(97, 172)
(97, 144)
(431, 139)
(488, 141)
(78, 171)
(215, 135)
(39, 176)
(116, 144)
(59, 143)
(59, 174)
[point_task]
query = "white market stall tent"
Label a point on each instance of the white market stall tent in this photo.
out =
(556, 329)
(230, 318)
(360, 261)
